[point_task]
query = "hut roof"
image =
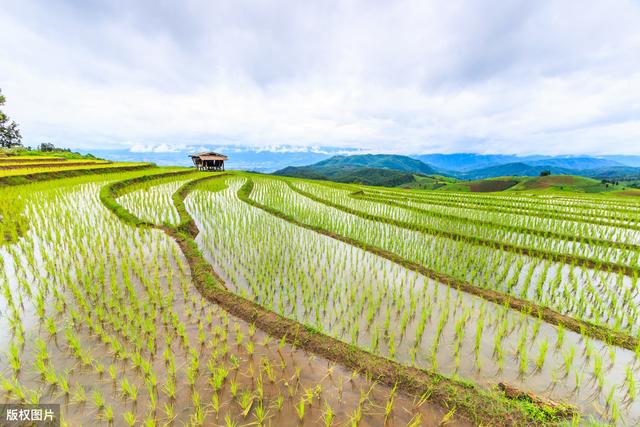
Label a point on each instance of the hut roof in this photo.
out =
(209, 155)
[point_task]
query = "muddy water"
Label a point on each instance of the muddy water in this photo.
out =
(276, 263)
(103, 283)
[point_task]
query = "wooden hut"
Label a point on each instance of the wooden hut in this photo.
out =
(209, 161)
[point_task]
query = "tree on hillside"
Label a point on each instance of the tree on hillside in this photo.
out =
(9, 132)
(47, 146)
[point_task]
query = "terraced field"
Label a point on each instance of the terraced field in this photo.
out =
(235, 299)
(16, 169)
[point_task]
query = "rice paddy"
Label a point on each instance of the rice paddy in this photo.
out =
(14, 166)
(117, 334)
(104, 317)
(570, 288)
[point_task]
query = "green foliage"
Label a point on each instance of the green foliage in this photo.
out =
(25, 153)
(9, 132)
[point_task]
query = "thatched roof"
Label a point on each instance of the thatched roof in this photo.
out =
(209, 155)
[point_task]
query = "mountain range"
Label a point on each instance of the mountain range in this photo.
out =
(380, 161)
(461, 166)
(465, 162)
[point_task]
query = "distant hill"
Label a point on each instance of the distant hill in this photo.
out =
(554, 183)
(350, 174)
(372, 169)
(589, 167)
(463, 162)
(633, 161)
(269, 159)
(575, 162)
(511, 169)
(469, 164)
(396, 170)
(563, 182)
(378, 161)
(484, 185)
(613, 172)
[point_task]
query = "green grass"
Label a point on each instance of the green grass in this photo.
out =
(60, 173)
(565, 184)
(562, 183)
(429, 182)
(483, 185)
(23, 153)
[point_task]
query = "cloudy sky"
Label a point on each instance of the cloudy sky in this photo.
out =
(546, 77)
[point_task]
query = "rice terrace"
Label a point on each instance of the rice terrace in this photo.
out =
(332, 214)
(232, 298)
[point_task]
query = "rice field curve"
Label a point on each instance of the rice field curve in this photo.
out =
(581, 291)
(556, 359)
(285, 280)
(118, 335)
(217, 185)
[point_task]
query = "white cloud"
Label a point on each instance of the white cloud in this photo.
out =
(407, 76)
(154, 148)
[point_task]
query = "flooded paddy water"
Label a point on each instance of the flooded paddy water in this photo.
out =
(103, 319)
(363, 299)
(595, 295)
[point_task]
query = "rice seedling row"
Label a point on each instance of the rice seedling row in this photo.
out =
(580, 203)
(61, 173)
(478, 406)
(618, 213)
(153, 204)
(563, 230)
(59, 168)
(118, 335)
(579, 251)
(375, 304)
(30, 159)
(30, 165)
(553, 216)
(576, 291)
